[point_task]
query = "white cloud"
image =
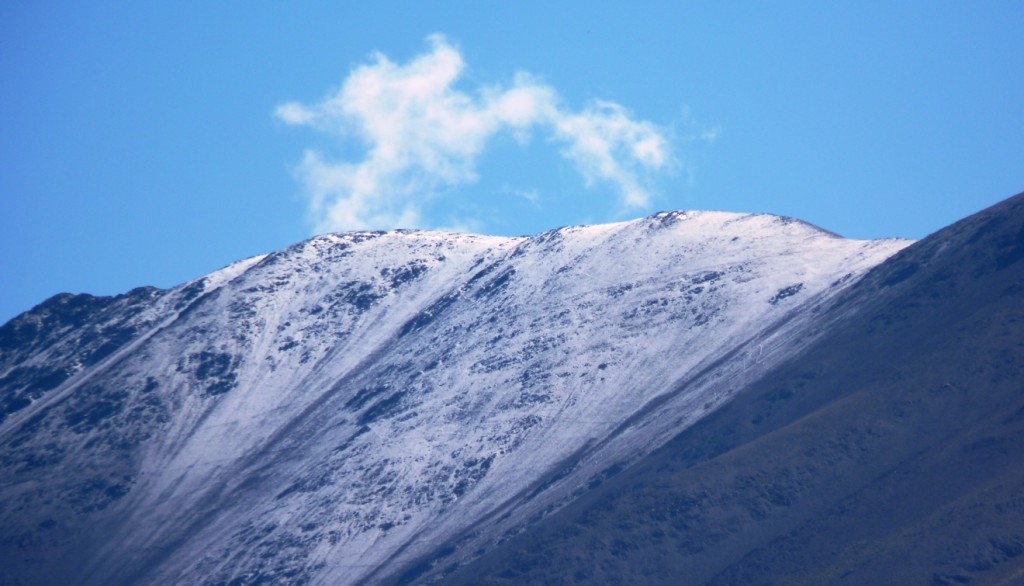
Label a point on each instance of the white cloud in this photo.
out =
(293, 113)
(606, 144)
(421, 133)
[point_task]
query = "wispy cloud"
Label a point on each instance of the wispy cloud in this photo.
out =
(531, 196)
(421, 134)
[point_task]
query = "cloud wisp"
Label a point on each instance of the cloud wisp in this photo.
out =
(422, 134)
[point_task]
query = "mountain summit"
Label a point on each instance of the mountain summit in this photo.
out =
(887, 451)
(379, 406)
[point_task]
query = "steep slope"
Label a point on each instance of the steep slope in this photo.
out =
(889, 451)
(331, 412)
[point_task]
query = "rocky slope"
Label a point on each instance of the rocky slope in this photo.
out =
(889, 451)
(333, 412)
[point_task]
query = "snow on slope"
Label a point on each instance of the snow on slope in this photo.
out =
(334, 412)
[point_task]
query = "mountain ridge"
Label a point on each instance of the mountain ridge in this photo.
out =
(887, 451)
(326, 412)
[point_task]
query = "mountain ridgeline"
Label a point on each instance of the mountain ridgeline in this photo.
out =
(691, 397)
(887, 452)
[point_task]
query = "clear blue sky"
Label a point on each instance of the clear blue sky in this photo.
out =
(151, 142)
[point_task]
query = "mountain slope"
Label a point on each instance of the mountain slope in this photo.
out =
(331, 412)
(889, 451)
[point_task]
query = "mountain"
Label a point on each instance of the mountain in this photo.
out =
(888, 451)
(337, 411)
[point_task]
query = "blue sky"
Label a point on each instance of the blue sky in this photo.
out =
(151, 143)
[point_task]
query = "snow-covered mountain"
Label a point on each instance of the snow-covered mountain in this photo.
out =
(334, 412)
(887, 451)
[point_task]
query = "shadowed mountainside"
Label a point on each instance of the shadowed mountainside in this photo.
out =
(890, 451)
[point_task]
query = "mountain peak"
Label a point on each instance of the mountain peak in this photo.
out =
(329, 411)
(886, 450)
